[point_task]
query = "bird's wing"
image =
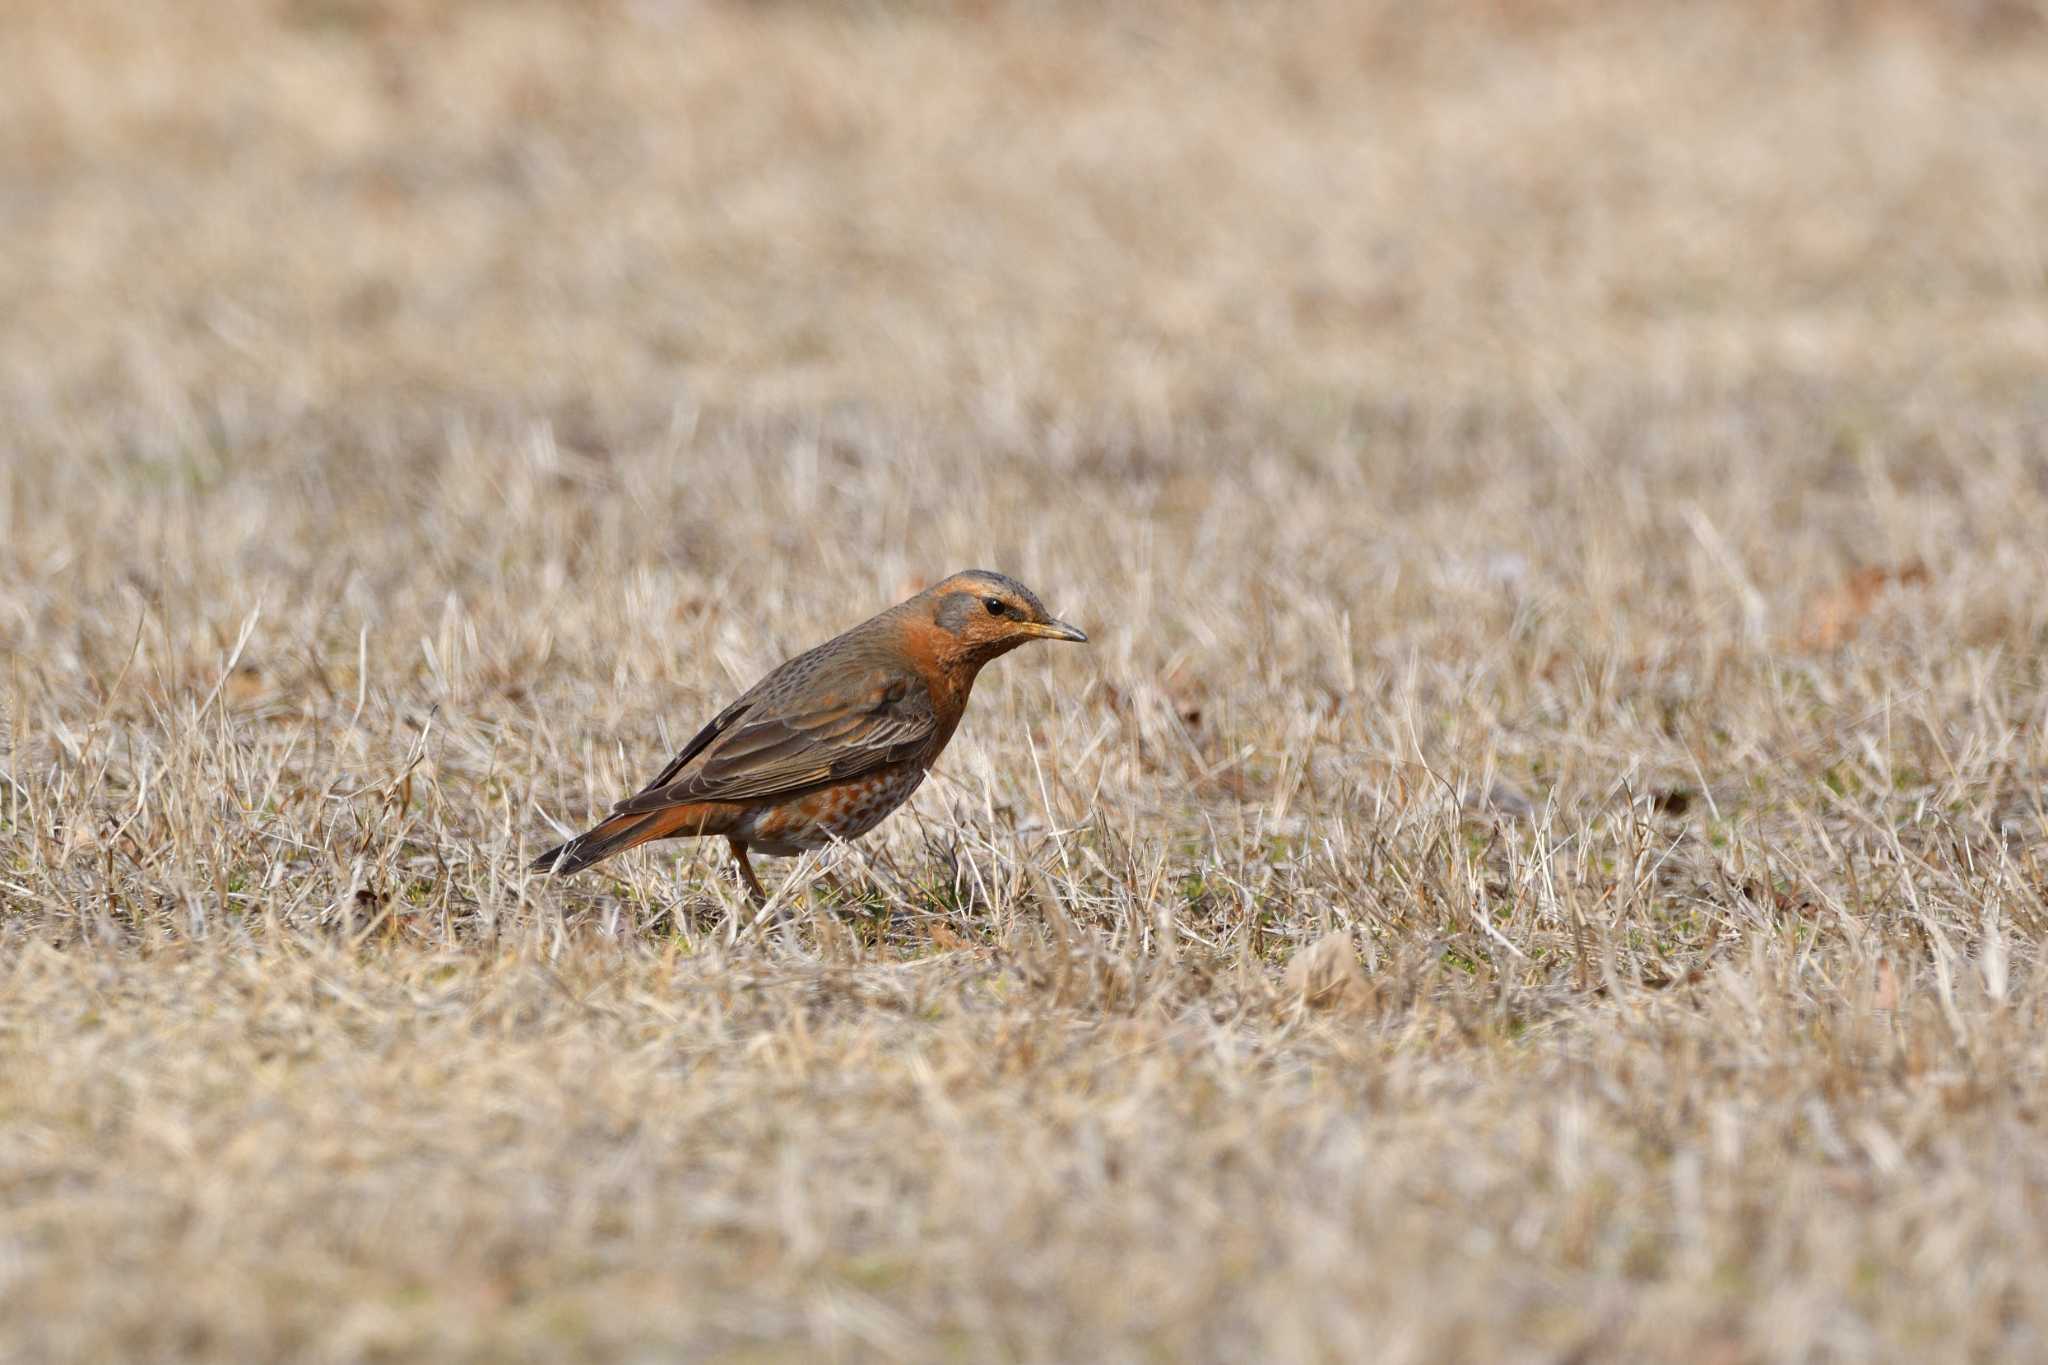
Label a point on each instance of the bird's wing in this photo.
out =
(787, 679)
(699, 742)
(763, 747)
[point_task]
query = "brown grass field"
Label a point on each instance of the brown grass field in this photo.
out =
(1542, 861)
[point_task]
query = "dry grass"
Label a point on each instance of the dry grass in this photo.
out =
(1559, 495)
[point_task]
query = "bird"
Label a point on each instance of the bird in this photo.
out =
(831, 741)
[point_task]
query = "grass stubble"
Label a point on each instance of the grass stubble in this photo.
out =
(1490, 891)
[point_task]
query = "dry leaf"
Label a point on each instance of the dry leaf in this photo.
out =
(1327, 975)
(1834, 615)
(245, 684)
(1672, 801)
(1186, 693)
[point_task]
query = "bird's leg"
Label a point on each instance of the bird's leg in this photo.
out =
(754, 891)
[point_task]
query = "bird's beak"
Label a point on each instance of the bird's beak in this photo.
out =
(1056, 630)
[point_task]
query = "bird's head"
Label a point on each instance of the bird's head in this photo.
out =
(988, 614)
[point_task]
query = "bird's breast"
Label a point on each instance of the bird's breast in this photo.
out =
(845, 810)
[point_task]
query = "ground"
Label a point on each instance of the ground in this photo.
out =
(1542, 859)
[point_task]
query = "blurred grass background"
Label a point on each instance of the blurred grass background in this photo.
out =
(1140, 205)
(1541, 860)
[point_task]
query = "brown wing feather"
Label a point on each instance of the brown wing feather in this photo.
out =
(784, 678)
(783, 757)
(698, 743)
(819, 718)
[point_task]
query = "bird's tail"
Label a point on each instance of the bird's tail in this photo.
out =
(614, 835)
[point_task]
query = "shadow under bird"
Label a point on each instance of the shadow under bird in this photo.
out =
(833, 740)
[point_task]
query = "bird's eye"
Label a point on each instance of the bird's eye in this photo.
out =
(994, 605)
